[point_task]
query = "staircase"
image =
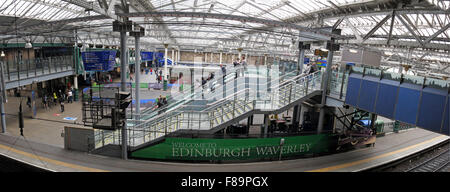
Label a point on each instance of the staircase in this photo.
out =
(227, 111)
(224, 112)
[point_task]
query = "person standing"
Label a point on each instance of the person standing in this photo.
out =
(69, 95)
(61, 100)
(44, 101)
(236, 66)
(244, 65)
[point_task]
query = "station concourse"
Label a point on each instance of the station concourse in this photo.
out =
(224, 86)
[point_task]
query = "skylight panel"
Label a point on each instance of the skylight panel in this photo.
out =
(5, 5)
(23, 8)
(33, 10)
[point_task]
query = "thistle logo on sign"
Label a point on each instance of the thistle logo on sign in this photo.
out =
(234, 149)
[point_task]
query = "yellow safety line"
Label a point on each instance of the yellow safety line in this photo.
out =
(56, 162)
(332, 168)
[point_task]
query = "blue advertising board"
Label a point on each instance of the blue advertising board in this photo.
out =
(146, 56)
(99, 60)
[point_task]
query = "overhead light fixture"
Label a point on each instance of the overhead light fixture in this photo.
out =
(353, 51)
(2, 54)
(28, 45)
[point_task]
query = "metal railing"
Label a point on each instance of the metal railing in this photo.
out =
(225, 110)
(216, 113)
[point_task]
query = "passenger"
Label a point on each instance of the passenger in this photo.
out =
(236, 66)
(313, 68)
(203, 82)
(44, 101)
(55, 98)
(61, 100)
(244, 65)
(69, 95)
(29, 101)
(236, 62)
(164, 100)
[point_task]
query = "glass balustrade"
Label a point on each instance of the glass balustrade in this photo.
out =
(28, 68)
(216, 113)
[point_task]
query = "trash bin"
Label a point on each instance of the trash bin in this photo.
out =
(75, 94)
(379, 126)
(396, 126)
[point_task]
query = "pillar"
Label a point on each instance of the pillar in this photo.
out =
(3, 117)
(265, 59)
(123, 76)
(220, 58)
(137, 75)
(178, 56)
(212, 57)
(173, 56)
(123, 60)
(295, 115)
(165, 61)
(2, 98)
(239, 54)
(301, 57)
(303, 109)
(266, 124)
(75, 82)
(327, 74)
(206, 57)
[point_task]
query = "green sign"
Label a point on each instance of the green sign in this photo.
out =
(236, 149)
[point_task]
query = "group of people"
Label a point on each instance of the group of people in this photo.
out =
(58, 96)
(159, 75)
(240, 63)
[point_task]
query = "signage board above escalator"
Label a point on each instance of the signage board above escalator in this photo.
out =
(99, 60)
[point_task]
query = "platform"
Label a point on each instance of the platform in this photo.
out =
(387, 149)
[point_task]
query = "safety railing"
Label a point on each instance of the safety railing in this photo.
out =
(225, 110)
(209, 91)
(15, 70)
(216, 113)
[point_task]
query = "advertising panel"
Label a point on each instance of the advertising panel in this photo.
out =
(236, 149)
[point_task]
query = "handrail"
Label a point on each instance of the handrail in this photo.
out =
(196, 94)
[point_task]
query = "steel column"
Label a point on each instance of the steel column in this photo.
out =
(325, 86)
(137, 73)
(123, 76)
(123, 60)
(165, 62)
(301, 57)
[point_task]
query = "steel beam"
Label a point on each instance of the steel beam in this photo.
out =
(374, 29)
(410, 30)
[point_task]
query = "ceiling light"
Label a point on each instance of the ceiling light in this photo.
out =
(28, 45)
(2, 54)
(353, 51)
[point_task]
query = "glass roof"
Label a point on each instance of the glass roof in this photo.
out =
(360, 18)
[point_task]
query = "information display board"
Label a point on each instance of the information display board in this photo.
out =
(99, 60)
(146, 56)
